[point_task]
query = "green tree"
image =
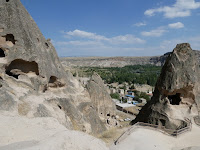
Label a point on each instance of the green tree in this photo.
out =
(115, 96)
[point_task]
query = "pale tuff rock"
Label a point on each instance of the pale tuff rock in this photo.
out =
(46, 133)
(101, 100)
(177, 93)
(33, 82)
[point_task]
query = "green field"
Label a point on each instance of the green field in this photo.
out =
(137, 74)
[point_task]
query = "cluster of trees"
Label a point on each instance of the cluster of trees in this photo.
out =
(139, 95)
(115, 96)
(136, 74)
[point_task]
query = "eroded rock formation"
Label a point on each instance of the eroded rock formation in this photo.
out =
(177, 94)
(33, 82)
(102, 102)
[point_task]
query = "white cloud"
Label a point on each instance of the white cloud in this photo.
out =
(169, 45)
(78, 43)
(82, 43)
(84, 34)
(121, 39)
(125, 39)
(155, 33)
(181, 8)
(161, 30)
(139, 24)
(176, 25)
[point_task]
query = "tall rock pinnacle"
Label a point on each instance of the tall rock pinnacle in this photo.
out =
(25, 48)
(33, 82)
(177, 94)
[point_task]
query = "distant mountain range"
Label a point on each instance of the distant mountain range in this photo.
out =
(116, 61)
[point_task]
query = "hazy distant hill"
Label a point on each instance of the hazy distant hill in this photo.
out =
(115, 61)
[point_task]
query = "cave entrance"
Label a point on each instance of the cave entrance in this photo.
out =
(19, 66)
(175, 99)
(10, 37)
(162, 122)
(53, 79)
(2, 54)
(54, 82)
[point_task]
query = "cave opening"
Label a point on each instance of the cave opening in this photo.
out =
(59, 106)
(19, 66)
(53, 79)
(10, 37)
(175, 99)
(54, 82)
(162, 122)
(12, 74)
(47, 45)
(2, 54)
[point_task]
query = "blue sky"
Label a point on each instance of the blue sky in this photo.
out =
(117, 27)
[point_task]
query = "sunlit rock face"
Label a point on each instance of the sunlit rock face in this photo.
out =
(33, 82)
(177, 93)
(101, 100)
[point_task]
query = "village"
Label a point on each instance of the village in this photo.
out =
(129, 99)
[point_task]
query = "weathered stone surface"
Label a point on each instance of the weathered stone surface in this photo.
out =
(33, 82)
(26, 50)
(176, 91)
(44, 133)
(101, 100)
(42, 111)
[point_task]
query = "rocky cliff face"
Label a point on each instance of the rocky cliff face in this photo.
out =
(102, 102)
(177, 93)
(116, 61)
(33, 82)
(111, 61)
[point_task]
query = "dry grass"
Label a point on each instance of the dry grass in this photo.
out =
(135, 110)
(123, 115)
(111, 135)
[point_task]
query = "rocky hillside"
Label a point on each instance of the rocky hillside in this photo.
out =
(111, 61)
(177, 94)
(33, 84)
(115, 61)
